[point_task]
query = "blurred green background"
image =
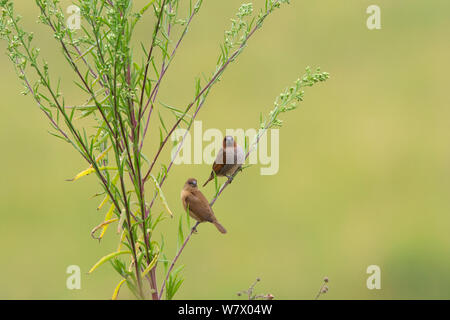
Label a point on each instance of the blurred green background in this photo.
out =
(363, 179)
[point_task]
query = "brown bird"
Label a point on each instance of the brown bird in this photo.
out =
(198, 205)
(229, 159)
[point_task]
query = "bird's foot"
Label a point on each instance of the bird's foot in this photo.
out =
(230, 178)
(194, 230)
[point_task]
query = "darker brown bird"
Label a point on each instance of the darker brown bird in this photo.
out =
(198, 205)
(229, 159)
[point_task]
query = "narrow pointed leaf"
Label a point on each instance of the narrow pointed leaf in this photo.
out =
(116, 291)
(106, 259)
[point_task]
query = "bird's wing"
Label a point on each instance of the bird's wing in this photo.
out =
(219, 162)
(217, 168)
(199, 205)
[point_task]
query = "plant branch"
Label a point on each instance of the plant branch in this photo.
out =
(149, 57)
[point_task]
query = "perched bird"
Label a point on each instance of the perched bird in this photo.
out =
(198, 205)
(229, 159)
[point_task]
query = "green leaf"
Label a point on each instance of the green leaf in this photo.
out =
(161, 195)
(162, 123)
(180, 233)
(106, 259)
(152, 264)
(143, 10)
(174, 283)
(117, 289)
(216, 183)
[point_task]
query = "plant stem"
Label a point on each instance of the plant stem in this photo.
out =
(149, 57)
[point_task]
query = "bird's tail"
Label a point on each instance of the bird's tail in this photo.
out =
(219, 227)
(209, 179)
